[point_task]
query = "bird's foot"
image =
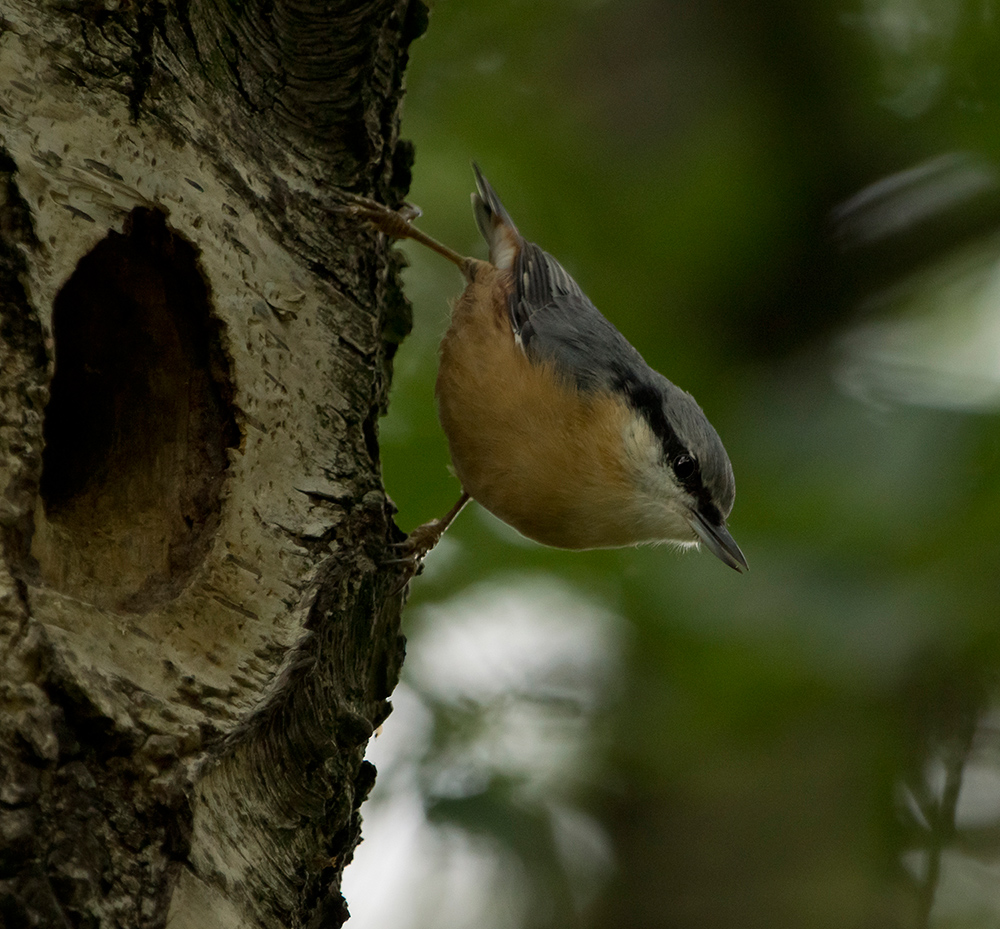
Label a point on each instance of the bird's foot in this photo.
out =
(418, 544)
(412, 551)
(394, 223)
(398, 224)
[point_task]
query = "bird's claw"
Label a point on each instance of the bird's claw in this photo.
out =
(394, 223)
(414, 549)
(418, 544)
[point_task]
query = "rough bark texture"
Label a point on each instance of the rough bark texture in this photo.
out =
(198, 629)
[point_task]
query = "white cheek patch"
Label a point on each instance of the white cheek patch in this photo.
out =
(644, 452)
(641, 447)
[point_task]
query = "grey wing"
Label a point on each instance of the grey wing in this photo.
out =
(555, 321)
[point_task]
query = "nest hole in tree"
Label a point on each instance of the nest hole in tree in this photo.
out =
(137, 425)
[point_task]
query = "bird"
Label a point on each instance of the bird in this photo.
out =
(555, 423)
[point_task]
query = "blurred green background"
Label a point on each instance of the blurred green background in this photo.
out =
(792, 210)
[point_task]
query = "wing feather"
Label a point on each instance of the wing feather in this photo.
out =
(555, 321)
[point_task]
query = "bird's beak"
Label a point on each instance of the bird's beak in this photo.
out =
(719, 542)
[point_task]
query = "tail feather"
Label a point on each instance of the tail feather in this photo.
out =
(495, 224)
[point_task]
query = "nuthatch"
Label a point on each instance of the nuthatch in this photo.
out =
(555, 422)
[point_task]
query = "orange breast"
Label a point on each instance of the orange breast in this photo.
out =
(525, 443)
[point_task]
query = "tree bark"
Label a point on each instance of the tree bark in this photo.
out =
(199, 629)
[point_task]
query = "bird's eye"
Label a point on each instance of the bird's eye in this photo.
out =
(684, 467)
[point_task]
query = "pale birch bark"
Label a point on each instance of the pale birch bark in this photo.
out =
(198, 627)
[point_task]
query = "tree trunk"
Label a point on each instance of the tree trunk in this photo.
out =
(198, 626)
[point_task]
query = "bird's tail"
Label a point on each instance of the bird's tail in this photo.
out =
(495, 224)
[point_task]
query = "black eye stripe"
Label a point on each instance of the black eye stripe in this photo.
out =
(647, 402)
